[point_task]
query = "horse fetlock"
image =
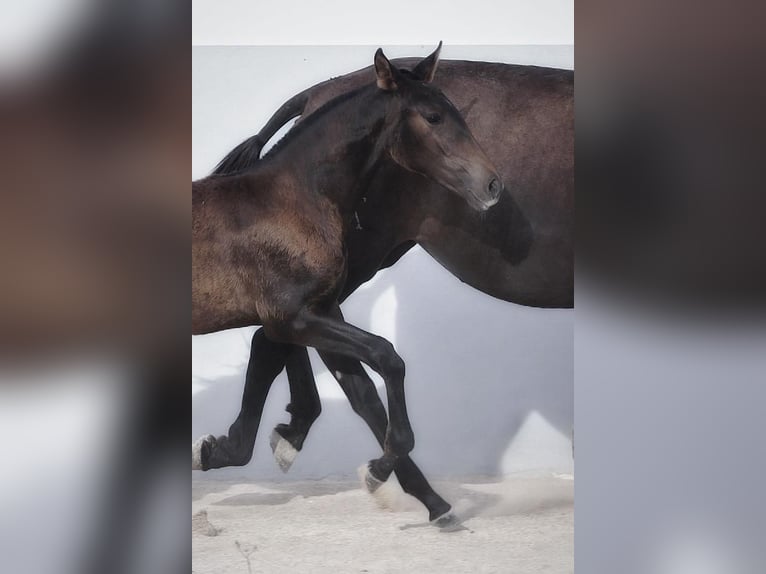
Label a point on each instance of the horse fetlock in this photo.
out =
(305, 415)
(232, 450)
(239, 459)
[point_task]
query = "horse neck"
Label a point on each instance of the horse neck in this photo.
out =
(334, 154)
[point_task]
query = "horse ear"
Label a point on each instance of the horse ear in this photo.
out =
(426, 69)
(385, 72)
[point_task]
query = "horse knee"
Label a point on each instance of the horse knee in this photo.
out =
(395, 367)
(390, 363)
(400, 442)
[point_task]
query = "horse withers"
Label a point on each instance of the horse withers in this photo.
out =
(269, 243)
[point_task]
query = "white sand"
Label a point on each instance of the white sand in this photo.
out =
(519, 526)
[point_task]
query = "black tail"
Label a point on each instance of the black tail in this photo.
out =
(248, 152)
(241, 157)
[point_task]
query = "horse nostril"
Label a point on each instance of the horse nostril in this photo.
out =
(494, 187)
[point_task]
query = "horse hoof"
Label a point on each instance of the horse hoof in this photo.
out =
(371, 483)
(201, 450)
(284, 452)
(448, 522)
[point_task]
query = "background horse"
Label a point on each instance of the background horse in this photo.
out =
(519, 251)
(269, 242)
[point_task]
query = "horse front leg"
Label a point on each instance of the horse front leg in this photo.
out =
(267, 359)
(304, 406)
(364, 400)
(329, 333)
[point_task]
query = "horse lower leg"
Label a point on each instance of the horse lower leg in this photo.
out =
(305, 406)
(267, 359)
(364, 400)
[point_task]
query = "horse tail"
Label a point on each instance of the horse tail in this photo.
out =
(292, 108)
(248, 152)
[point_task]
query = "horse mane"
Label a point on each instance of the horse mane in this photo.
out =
(247, 153)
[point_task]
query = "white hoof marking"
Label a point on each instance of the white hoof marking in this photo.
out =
(197, 452)
(284, 452)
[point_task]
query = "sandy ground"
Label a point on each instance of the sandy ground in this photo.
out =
(519, 525)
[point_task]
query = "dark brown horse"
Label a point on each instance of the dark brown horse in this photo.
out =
(519, 251)
(269, 243)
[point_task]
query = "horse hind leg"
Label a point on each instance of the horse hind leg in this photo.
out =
(267, 359)
(304, 408)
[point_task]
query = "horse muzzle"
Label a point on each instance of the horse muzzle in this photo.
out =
(489, 196)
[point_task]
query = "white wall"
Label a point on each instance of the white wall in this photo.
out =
(489, 383)
(355, 22)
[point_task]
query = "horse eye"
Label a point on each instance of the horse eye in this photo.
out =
(433, 118)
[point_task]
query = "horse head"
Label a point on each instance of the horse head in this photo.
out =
(430, 137)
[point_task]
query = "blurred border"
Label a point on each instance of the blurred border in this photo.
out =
(94, 294)
(669, 334)
(671, 286)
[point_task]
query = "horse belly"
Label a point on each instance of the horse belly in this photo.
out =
(250, 283)
(221, 298)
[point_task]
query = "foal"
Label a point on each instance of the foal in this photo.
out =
(269, 244)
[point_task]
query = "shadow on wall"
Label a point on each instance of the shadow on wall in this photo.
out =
(489, 384)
